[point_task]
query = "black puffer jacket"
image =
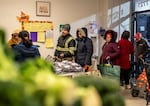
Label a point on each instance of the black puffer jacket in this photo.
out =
(84, 50)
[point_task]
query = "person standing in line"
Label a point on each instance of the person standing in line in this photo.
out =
(65, 49)
(84, 50)
(127, 49)
(110, 49)
(25, 49)
(141, 49)
(14, 38)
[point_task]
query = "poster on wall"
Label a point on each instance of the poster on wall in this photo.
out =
(43, 8)
(125, 9)
(125, 25)
(33, 36)
(92, 28)
(39, 32)
(37, 26)
(116, 29)
(41, 36)
(49, 39)
(109, 18)
(115, 14)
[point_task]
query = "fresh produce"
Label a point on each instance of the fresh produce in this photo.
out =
(113, 99)
(8, 70)
(107, 88)
(2, 36)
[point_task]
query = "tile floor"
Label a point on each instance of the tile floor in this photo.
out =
(133, 101)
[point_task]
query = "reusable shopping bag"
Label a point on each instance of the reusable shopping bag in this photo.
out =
(109, 70)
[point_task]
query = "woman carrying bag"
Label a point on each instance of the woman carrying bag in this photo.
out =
(111, 49)
(110, 52)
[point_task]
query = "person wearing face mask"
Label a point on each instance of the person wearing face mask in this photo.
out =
(65, 49)
(84, 50)
(110, 49)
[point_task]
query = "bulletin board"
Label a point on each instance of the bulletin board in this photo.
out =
(40, 31)
(37, 26)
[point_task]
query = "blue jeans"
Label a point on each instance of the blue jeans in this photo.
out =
(139, 67)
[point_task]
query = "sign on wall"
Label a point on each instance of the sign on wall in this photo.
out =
(141, 5)
(40, 31)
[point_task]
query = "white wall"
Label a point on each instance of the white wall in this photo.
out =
(62, 11)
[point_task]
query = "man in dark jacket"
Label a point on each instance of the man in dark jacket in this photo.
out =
(141, 48)
(84, 50)
(65, 49)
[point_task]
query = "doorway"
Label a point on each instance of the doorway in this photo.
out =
(142, 24)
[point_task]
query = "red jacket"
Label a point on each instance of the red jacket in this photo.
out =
(126, 49)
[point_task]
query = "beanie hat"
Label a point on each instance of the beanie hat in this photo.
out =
(138, 35)
(66, 27)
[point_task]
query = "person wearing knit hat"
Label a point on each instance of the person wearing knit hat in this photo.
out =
(14, 38)
(66, 27)
(141, 48)
(65, 49)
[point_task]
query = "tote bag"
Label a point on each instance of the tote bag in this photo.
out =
(109, 70)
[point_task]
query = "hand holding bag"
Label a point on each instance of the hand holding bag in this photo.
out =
(109, 70)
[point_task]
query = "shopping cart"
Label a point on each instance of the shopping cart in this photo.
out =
(141, 85)
(147, 67)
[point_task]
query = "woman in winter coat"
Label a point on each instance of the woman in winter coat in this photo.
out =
(14, 38)
(127, 49)
(25, 49)
(110, 49)
(84, 49)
